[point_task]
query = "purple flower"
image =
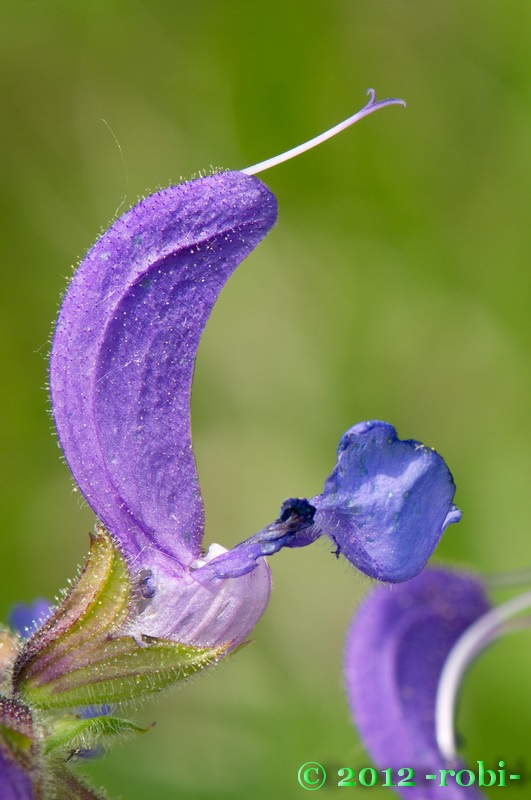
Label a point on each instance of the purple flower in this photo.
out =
(15, 781)
(396, 649)
(28, 617)
(121, 376)
(150, 606)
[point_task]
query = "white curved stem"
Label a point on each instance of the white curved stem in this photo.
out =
(508, 580)
(371, 106)
(467, 647)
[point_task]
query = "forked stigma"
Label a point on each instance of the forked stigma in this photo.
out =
(372, 105)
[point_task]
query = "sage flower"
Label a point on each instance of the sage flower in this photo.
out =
(151, 607)
(121, 374)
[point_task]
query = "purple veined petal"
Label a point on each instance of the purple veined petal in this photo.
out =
(212, 612)
(395, 652)
(15, 783)
(387, 502)
(124, 352)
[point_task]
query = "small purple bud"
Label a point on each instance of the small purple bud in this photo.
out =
(26, 618)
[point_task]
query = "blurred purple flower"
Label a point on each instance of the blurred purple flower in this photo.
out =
(15, 781)
(396, 649)
(121, 377)
(26, 618)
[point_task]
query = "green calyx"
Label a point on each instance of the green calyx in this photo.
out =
(73, 735)
(120, 670)
(43, 747)
(82, 655)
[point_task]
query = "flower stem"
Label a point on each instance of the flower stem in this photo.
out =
(475, 639)
(508, 580)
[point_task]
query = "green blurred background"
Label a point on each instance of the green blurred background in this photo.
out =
(396, 286)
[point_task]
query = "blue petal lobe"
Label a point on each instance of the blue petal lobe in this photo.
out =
(387, 502)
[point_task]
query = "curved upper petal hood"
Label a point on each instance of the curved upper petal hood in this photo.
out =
(124, 352)
(396, 649)
(121, 376)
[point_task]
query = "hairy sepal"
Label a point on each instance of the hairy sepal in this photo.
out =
(75, 735)
(120, 670)
(81, 656)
